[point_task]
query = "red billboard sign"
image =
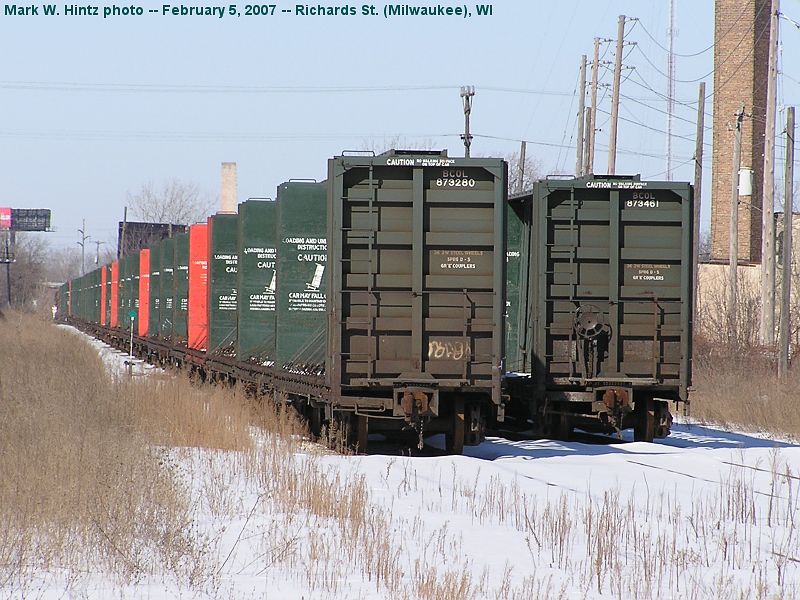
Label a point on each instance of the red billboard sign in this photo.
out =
(5, 218)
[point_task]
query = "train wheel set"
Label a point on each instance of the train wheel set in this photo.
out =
(408, 295)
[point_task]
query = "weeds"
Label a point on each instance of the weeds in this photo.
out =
(136, 478)
(78, 486)
(740, 389)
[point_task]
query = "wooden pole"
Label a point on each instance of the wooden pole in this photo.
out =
(768, 192)
(521, 168)
(698, 186)
(593, 120)
(589, 126)
(580, 139)
(733, 254)
(783, 360)
(612, 143)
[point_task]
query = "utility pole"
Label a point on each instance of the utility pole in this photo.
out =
(97, 256)
(593, 119)
(121, 249)
(82, 244)
(589, 126)
(521, 168)
(698, 186)
(580, 140)
(612, 144)
(670, 86)
(768, 192)
(783, 360)
(467, 92)
(733, 253)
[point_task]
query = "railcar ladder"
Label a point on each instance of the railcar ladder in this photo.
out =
(369, 235)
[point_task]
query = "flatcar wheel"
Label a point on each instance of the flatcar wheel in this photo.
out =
(454, 438)
(362, 431)
(558, 424)
(563, 426)
(644, 429)
(315, 420)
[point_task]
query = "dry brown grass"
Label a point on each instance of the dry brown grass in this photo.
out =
(172, 411)
(738, 387)
(87, 481)
(80, 488)
(88, 484)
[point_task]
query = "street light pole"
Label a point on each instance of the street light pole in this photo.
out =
(82, 244)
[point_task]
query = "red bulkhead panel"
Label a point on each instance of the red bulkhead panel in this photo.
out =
(103, 295)
(144, 291)
(114, 319)
(197, 317)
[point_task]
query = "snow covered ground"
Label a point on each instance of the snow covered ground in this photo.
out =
(705, 513)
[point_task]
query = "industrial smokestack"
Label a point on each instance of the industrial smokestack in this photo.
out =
(228, 193)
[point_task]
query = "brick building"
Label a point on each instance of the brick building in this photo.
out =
(741, 37)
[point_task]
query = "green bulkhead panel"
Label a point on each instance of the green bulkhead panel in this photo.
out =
(154, 327)
(76, 298)
(417, 271)
(131, 289)
(90, 298)
(302, 263)
(134, 303)
(257, 280)
(613, 283)
(124, 293)
(167, 287)
(97, 290)
(61, 301)
(87, 296)
(121, 293)
(516, 288)
(65, 301)
(222, 283)
(108, 295)
(181, 274)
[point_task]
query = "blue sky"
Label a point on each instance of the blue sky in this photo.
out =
(93, 108)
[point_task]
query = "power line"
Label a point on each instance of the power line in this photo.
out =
(197, 136)
(678, 166)
(713, 70)
(62, 86)
(635, 121)
(663, 112)
(704, 50)
(644, 84)
(555, 145)
(789, 77)
(567, 125)
(68, 86)
(660, 72)
(690, 55)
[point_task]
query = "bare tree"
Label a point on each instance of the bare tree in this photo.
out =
(704, 246)
(28, 272)
(396, 142)
(64, 264)
(176, 202)
(533, 170)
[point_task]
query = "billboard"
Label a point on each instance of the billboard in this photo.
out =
(5, 218)
(28, 219)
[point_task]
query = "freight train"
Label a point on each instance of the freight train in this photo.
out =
(408, 294)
